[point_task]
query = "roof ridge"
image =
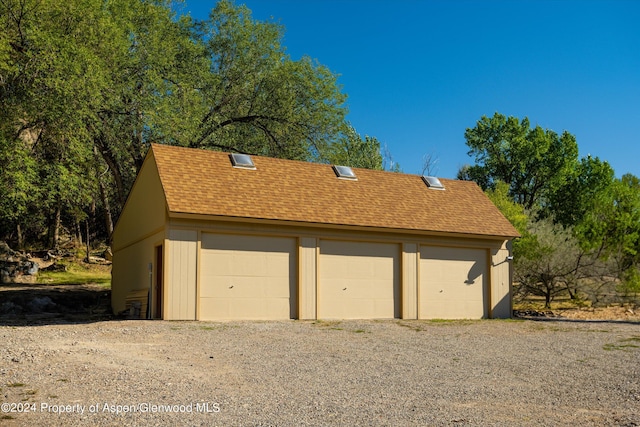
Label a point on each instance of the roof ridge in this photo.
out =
(306, 162)
(204, 182)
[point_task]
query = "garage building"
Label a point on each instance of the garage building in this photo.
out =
(207, 235)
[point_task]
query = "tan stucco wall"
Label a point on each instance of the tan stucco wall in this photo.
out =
(307, 277)
(501, 278)
(145, 210)
(140, 228)
(131, 269)
(308, 266)
(179, 301)
(410, 265)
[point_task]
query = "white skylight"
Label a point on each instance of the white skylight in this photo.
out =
(344, 172)
(242, 161)
(433, 182)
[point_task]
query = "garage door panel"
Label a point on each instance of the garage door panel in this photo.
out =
(234, 263)
(453, 283)
(380, 292)
(347, 310)
(276, 264)
(249, 309)
(358, 280)
(247, 277)
(357, 270)
(244, 287)
(244, 243)
(275, 287)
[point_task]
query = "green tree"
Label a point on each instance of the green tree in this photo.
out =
(156, 72)
(18, 174)
(353, 150)
(532, 161)
(550, 262)
(86, 85)
(581, 187)
(513, 211)
(258, 100)
(583, 225)
(53, 73)
(89, 77)
(612, 228)
(224, 83)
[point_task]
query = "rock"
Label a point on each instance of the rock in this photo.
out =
(5, 277)
(29, 268)
(534, 313)
(6, 250)
(24, 278)
(55, 267)
(9, 307)
(108, 255)
(22, 271)
(16, 267)
(40, 304)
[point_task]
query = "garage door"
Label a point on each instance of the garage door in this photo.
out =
(453, 283)
(247, 277)
(358, 280)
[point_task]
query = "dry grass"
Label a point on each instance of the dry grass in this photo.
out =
(78, 273)
(580, 309)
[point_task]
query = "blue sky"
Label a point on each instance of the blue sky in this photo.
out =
(418, 73)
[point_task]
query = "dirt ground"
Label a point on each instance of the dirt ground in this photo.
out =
(547, 372)
(66, 360)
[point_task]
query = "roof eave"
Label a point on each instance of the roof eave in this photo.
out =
(267, 221)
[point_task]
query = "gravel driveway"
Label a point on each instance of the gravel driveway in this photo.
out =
(349, 373)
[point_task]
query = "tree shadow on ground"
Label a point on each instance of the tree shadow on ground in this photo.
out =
(41, 304)
(545, 318)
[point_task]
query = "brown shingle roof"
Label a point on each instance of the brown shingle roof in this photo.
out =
(204, 182)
